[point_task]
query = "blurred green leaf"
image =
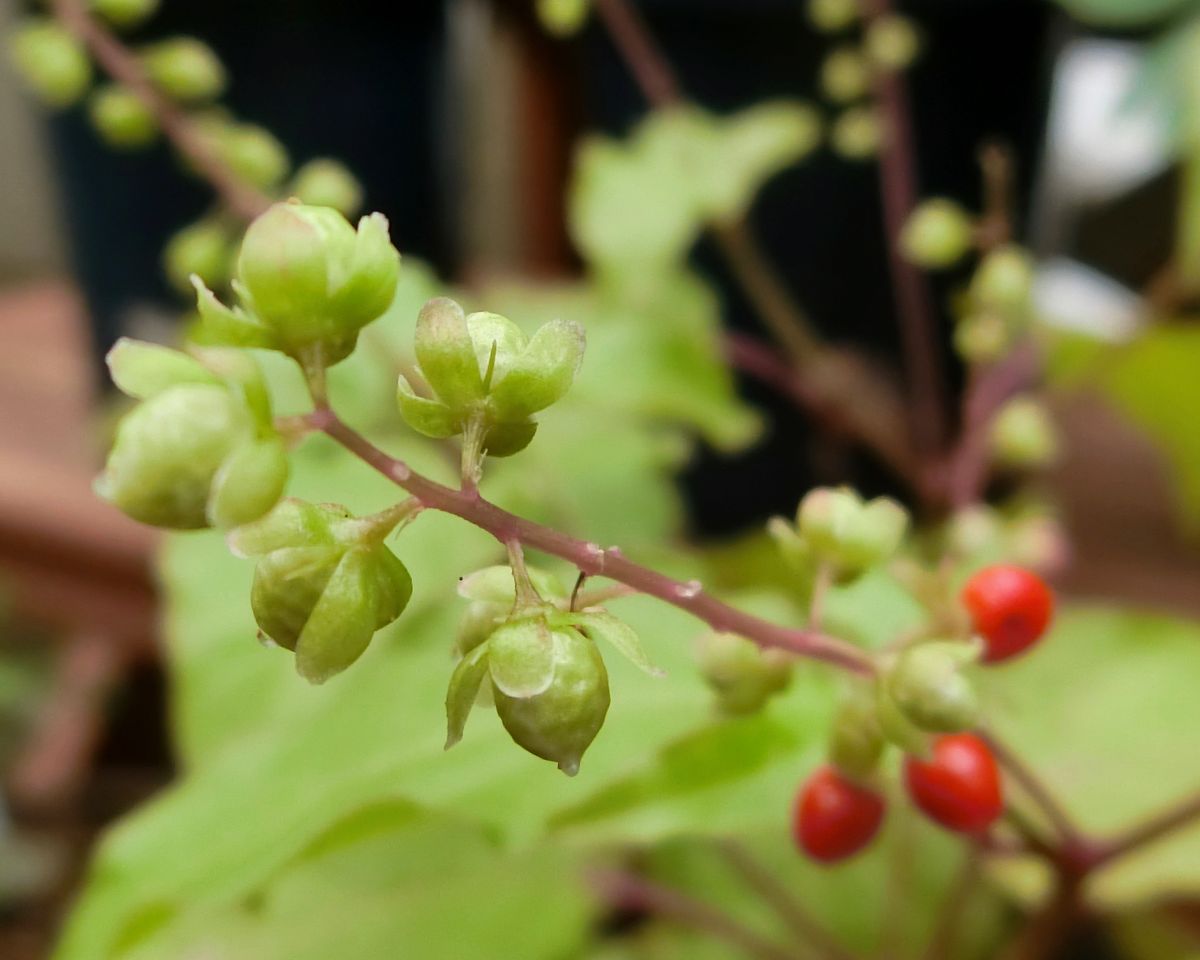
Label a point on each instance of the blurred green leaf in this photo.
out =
(1125, 13)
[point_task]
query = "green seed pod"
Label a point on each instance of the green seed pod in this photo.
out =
(892, 41)
(185, 69)
(327, 183)
(1023, 436)
(203, 249)
(845, 75)
(562, 18)
(51, 61)
(856, 133)
(831, 16)
(928, 686)
(553, 713)
(856, 742)
(309, 283)
(937, 234)
(1004, 281)
(324, 582)
(199, 450)
(742, 675)
(485, 372)
(121, 119)
(125, 13)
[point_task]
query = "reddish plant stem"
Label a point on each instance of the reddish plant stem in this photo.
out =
(651, 70)
(124, 67)
(1037, 791)
(918, 331)
(1185, 814)
(630, 891)
(591, 558)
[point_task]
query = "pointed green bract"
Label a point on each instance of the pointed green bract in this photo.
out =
(342, 621)
(464, 687)
(140, 369)
(601, 625)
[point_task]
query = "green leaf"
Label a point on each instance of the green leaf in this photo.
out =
(604, 626)
(1124, 13)
(464, 688)
(343, 621)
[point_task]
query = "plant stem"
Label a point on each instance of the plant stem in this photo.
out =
(1037, 791)
(962, 886)
(1182, 815)
(773, 893)
(124, 67)
(633, 892)
(592, 559)
(651, 70)
(918, 330)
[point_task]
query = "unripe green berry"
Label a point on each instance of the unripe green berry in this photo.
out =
(121, 119)
(125, 13)
(203, 249)
(851, 536)
(1004, 281)
(185, 69)
(309, 283)
(856, 741)
(928, 686)
(892, 41)
(845, 75)
(51, 61)
(937, 234)
(252, 153)
(982, 337)
(856, 133)
(327, 183)
(742, 675)
(563, 18)
(830, 16)
(824, 513)
(1023, 436)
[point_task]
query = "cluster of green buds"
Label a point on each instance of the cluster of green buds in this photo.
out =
(997, 305)
(201, 448)
(547, 679)
(487, 378)
(838, 531)
(307, 283)
(324, 581)
(743, 675)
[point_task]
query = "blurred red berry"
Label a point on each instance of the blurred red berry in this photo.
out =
(1009, 607)
(835, 817)
(959, 786)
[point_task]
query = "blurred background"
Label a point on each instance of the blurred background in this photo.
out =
(461, 121)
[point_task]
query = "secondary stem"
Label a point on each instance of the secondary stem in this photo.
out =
(1146, 833)
(591, 558)
(1036, 790)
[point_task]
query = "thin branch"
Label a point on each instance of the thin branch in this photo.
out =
(592, 559)
(995, 226)
(918, 329)
(774, 894)
(950, 917)
(1185, 814)
(633, 892)
(1037, 791)
(123, 66)
(651, 70)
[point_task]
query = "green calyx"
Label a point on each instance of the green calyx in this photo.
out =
(200, 449)
(308, 282)
(546, 677)
(487, 378)
(51, 61)
(741, 674)
(836, 528)
(324, 582)
(927, 686)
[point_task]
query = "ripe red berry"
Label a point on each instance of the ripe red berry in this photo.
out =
(1009, 607)
(959, 786)
(835, 817)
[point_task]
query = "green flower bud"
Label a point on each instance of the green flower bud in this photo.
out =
(121, 119)
(1039, 543)
(51, 61)
(742, 674)
(125, 13)
(562, 18)
(937, 234)
(928, 686)
(308, 284)
(1004, 281)
(830, 16)
(871, 535)
(324, 582)
(856, 741)
(1023, 436)
(892, 41)
(327, 183)
(203, 249)
(200, 449)
(185, 69)
(487, 376)
(251, 152)
(982, 337)
(824, 515)
(856, 133)
(845, 75)
(973, 530)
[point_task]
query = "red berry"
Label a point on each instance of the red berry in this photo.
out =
(835, 817)
(1009, 607)
(959, 787)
